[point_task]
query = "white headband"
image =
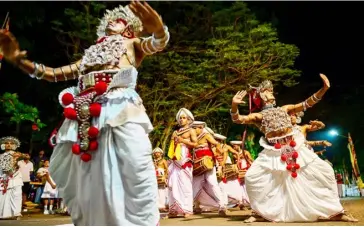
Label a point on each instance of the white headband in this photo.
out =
(236, 142)
(199, 123)
(186, 112)
(219, 137)
(158, 150)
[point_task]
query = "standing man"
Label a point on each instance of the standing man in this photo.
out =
(180, 194)
(26, 169)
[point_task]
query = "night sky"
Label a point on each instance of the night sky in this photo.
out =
(328, 35)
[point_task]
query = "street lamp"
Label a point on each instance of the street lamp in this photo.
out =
(333, 132)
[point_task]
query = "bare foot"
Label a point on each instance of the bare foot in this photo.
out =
(187, 215)
(172, 215)
(222, 213)
(197, 211)
(344, 218)
(252, 219)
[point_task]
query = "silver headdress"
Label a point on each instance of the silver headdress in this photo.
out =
(121, 12)
(10, 139)
(266, 84)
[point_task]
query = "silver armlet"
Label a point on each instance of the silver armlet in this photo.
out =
(65, 77)
(304, 106)
(160, 43)
(54, 75)
(73, 73)
(43, 73)
(145, 48)
(36, 67)
(314, 98)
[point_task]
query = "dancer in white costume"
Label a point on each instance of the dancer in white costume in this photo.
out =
(161, 167)
(244, 163)
(280, 182)
(11, 181)
(102, 162)
(232, 186)
(180, 166)
(206, 190)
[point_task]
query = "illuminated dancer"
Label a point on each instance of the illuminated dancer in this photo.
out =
(102, 162)
(280, 182)
(11, 181)
(180, 195)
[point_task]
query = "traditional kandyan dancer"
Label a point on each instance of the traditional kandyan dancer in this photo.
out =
(206, 190)
(180, 195)
(102, 162)
(280, 182)
(232, 187)
(245, 161)
(161, 168)
(11, 181)
(296, 119)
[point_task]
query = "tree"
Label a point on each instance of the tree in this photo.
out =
(19, 113)
(203, 75)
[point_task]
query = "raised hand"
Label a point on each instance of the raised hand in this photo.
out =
(327, 143)
(10, 47)
(325, 80)
(239, 96)
(152, 21)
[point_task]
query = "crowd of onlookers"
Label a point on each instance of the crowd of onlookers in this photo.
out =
(37, 193)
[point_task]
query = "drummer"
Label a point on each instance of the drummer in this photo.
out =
(161, 168)
(232, 184)
(245, 162)
(206, 190)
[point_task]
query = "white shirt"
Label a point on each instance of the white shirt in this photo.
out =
(25, 169)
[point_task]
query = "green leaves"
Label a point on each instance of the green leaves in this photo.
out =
(19, 111)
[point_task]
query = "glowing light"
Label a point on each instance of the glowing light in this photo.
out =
(333, 133)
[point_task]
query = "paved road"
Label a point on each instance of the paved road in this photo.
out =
(236, 217)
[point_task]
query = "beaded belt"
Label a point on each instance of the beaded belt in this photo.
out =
(91, 79)
(282, 141)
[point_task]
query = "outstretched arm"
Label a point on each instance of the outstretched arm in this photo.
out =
(12, 54)
(315, 125)
(312, 100)
(234, 152)
(324, 143)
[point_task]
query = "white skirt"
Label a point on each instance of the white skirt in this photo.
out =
(118, 186)
(11, 201)
(278, 197)
(49, 192)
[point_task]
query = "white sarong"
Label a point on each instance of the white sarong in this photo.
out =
(180, 184)
(277, 196)
(118, 186)
(11, 200)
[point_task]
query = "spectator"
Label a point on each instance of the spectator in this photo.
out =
(50, 193)
(41, 178)
(37, 160)
(26, 168)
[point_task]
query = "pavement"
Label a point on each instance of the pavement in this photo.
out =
(235, 217)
